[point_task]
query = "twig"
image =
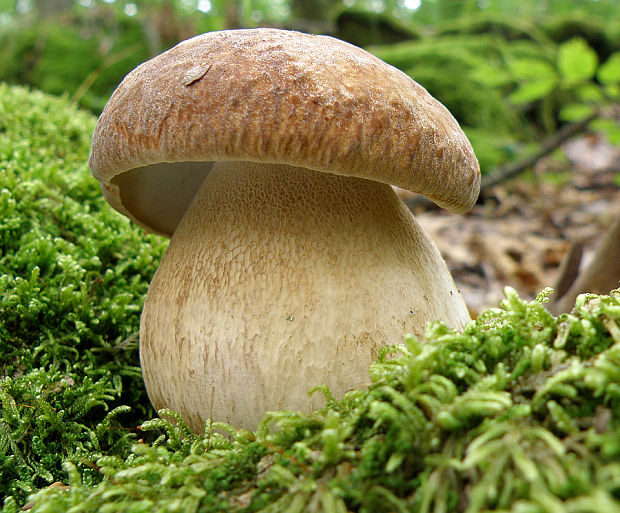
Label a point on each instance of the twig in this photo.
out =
(548, 145)
(511, 170)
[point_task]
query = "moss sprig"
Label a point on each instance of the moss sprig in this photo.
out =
(519, 412)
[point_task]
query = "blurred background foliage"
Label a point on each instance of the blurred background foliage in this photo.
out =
(511, 71)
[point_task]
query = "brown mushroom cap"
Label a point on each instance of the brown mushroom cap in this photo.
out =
(275, 96)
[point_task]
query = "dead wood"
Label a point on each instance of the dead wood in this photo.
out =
(569, 269)
(600, 276)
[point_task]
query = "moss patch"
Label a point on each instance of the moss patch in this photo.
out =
(521, 412)
(518, 413)
(73, 275)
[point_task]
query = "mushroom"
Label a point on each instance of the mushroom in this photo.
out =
(267, 156)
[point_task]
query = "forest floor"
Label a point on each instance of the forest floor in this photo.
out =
(520, 233)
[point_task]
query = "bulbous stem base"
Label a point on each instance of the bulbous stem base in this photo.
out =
(279, 279)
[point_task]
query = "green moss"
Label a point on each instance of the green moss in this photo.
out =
(520, 412)
(73, 275)
(63, 57)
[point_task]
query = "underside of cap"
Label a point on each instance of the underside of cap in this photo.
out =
(267, 95)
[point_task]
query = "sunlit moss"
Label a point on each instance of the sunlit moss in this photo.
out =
(520, 412)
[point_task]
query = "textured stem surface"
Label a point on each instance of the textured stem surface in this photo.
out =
(279, 279)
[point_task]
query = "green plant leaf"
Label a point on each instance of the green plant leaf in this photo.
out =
(577, 61)
(610, 128)
(575, 112)
(490, 76)
(531, 69)
(609, 72)
(590, 92)
(532, 91)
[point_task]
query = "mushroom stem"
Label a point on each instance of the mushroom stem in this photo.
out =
(278, 279)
